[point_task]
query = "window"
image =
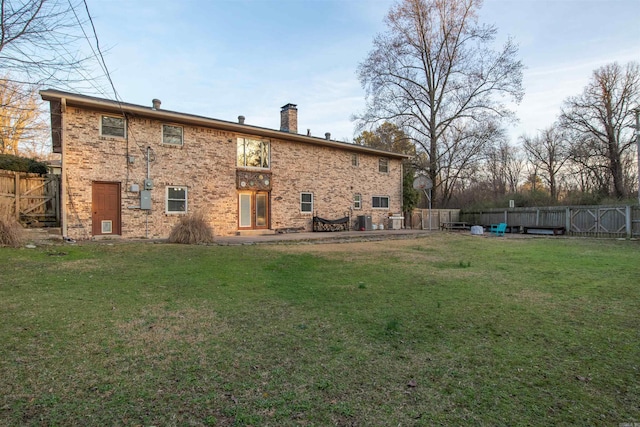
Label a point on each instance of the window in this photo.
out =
(380, 202)
(253, 153)
(357, 201)
(112, 126)
(176, 199)
(383, 165)
(355, 161)
(306, 202)
(172, 134)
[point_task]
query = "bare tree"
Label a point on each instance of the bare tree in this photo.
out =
(548, 151)
(435, 74)
(39, 42)
(21, 130)
(601, 120)
(503, 167)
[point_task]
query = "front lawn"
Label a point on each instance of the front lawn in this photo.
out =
(445, 330)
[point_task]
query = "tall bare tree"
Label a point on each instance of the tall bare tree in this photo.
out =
(503, 167)
(435, 74)
(21, 130)
(39, 41)
(601, 120)
(548, 151)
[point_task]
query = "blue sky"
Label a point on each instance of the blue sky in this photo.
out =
(224, 58)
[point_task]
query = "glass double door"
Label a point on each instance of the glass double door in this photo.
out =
(253, 208)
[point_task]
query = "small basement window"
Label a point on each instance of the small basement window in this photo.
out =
(176, 201)
(172, 135)
(112, 126)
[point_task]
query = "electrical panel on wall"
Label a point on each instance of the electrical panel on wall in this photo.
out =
(145, 200)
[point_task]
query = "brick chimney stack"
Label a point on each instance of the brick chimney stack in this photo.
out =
(289, 118)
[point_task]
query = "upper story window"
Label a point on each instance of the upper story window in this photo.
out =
(176, 200)
(253, 153)
(355, 161)
(172, 134)
(113, 126)
(383, 165)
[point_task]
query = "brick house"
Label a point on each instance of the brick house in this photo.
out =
(132, 171)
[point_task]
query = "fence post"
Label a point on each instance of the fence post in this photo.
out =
(627, 218)
(567, 220)
(16, 183)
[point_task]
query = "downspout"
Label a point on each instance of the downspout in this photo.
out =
(146, 225)
(63, 174)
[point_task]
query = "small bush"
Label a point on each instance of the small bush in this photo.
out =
(10, 229)
(22, 164)
(192, 229)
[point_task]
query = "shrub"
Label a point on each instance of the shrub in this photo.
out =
(10, 229)
(192, 229)
(21, 164)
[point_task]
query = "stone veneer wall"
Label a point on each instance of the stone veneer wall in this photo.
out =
(206, 165)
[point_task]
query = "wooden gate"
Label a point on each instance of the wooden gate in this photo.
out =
(33, 199)
(599, 221)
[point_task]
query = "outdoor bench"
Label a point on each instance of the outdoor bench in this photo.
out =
(550, 230)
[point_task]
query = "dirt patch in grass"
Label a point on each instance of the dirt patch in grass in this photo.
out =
(157, 327)
(531, 295)
(363, 250)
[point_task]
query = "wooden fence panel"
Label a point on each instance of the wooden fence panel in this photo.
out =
(420, 218)
(32, 198)
(596, 221)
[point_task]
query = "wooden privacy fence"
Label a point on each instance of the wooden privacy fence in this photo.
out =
(594, 221)
(32, 198)
(425, 219)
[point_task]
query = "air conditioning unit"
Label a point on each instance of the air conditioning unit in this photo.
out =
(364, 223)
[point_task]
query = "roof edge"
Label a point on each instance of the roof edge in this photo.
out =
(77, 100)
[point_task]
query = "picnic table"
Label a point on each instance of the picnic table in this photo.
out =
(455, 225)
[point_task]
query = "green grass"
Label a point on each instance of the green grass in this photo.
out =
(445, 330)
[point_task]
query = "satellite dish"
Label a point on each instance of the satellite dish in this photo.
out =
(422, 182)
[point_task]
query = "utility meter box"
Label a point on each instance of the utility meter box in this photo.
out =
(145, 200)
(148, 184)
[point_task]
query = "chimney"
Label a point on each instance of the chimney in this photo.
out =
(327, 136)
(156, 104)
(289, 118)
(241, 120)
